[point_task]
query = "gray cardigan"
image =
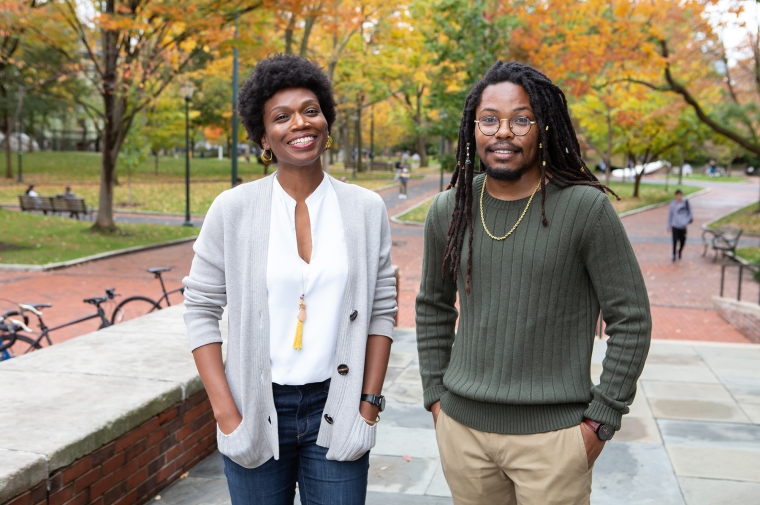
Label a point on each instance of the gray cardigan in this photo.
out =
(230, 268)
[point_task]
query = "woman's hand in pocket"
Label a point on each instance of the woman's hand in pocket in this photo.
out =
(593, 445)
(229, 422)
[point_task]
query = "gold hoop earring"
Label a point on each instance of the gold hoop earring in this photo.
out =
(329, 142)
(264, 159)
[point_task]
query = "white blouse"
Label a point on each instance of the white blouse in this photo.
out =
(323, 282)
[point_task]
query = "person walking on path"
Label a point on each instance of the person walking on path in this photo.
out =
(403, 179)
(303, 264)
(679, 216)
(518, 419)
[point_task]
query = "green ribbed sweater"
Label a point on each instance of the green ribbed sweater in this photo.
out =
(521, 356)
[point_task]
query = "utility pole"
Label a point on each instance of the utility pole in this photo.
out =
(234, 153)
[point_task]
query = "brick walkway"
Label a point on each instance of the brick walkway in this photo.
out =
(680, 293)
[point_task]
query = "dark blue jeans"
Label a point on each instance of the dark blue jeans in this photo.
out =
(320, 481)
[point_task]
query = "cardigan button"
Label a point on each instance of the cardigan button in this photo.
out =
(328, 419)
(343, 369)
(353, 315)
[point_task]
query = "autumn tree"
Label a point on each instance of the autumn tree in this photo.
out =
(463, 39)
(134, 49)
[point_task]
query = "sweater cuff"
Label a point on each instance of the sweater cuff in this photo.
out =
(432, 395)
(601, 413)
(381, 325)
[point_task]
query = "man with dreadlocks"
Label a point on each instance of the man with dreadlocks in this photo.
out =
(518, 419)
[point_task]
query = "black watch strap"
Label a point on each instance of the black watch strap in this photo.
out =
(376, 400)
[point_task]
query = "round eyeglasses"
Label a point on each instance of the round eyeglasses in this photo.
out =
(518, 125)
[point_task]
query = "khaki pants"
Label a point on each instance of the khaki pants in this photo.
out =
(489, 468)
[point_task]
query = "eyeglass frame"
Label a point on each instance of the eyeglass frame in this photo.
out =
(509, 125)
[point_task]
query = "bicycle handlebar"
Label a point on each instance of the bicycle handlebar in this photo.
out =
(97, 300)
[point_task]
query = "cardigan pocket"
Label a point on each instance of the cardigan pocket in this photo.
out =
(360, 440)
(238, 445)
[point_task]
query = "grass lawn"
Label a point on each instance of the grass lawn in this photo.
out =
(751, 254)
(155, 197)
(163, 194)
(37, 240)
(745, 218)
(43, 167)
(649, 194)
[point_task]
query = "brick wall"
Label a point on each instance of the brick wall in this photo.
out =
(136, 466)
(743, 316)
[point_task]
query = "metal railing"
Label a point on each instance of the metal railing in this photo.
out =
(754, 267)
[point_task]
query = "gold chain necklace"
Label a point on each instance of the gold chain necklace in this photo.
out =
(483, 219)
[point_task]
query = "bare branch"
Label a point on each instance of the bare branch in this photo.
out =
(76, 25)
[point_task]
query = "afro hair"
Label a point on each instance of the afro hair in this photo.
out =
(279, 72)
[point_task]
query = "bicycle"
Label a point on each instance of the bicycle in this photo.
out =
(34, 308)
(136, 306)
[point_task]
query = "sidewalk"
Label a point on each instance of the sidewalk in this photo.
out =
(692, 437)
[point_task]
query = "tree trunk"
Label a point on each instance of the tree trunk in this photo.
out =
(638, 175)
(111, 128)
(156, 166)
(345, 143)
(359, 165)
(105, 203)
(289, 34)
(608, 159)
(308, 25)
(420, 134)
(8, 166)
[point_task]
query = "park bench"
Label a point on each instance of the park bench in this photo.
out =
(723, 240)
(40, 203)
(54, 204)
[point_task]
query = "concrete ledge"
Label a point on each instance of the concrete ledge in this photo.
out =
(744, 316)
(68, 401)
(20, 471)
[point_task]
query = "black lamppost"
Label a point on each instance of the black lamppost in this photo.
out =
(443, 148)
(187, 93)
(20, 149)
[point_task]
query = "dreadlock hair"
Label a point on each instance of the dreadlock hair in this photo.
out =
(559, 156)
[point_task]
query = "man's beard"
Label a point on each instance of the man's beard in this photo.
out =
(505, 174)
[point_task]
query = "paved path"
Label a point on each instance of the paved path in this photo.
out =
(692, 437)
(680, 293)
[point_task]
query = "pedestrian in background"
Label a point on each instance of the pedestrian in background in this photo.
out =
(403, 179)
(679, 217)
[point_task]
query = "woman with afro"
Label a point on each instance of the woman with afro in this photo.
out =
(302, 264)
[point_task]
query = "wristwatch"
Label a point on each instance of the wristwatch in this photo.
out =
(376, 400)
(603, 431)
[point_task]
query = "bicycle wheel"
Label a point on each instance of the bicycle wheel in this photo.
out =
(133, 307)
(22, 345)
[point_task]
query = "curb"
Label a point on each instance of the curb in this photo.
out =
(94, 257)
(661, 204)
(395, 218)
(707, 225)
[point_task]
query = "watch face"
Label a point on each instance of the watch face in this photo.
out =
(605, 432)
(382, 403)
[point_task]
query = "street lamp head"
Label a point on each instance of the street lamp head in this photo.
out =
(186, 91)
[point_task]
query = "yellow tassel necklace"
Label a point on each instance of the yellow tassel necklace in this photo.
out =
(298, 342)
